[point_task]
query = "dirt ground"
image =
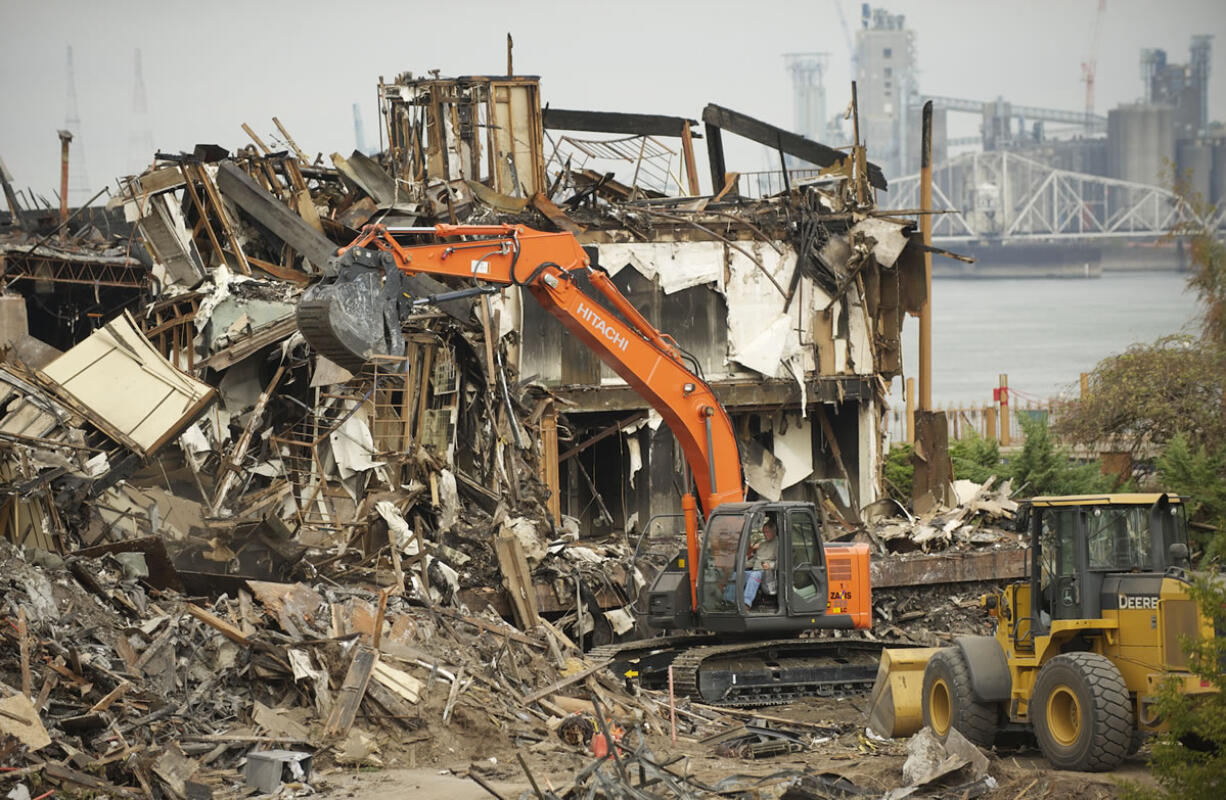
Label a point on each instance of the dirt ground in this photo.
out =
(438, 762)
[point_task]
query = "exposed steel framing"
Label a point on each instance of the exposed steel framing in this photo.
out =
(88, 273)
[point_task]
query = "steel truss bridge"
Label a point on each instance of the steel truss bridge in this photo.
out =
(1002, 195)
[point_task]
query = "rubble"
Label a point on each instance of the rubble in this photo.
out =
(231, 563)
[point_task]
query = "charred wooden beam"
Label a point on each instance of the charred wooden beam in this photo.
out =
(616, 122)
(986, 565)
(719, 118)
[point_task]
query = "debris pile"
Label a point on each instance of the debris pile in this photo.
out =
(111, 682)
(200, 411)
(982, 517)
(237, 562)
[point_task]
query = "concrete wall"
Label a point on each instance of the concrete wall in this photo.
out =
(14, 325)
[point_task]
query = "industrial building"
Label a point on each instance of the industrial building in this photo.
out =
(1001, 184)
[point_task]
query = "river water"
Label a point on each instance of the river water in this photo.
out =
(1042, 332)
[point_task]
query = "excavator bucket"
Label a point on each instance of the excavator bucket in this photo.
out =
(895, 707)
(354, 312)
(345, 321)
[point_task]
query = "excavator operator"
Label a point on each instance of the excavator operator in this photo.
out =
(764, 558)
(760, 563)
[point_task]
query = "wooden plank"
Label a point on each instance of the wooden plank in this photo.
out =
(218, 624)
(292, 144)
(111, 696)
(549, 461)
(23, 636)
(283, 223)
(223, 217)
(160, 180)
(488, 338)
(561, 119)
(19, 718)
(777, 138)
(567, 681)
(398, 681)
(486, 625)
(63, 774)
(518, 579)
(687, 158)
(555, 215)
(987, 565)
(823, 335)
(258, 142)
(345, 710)
(278, 271)
(396, 708)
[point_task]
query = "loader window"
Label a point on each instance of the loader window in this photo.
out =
(717, 569)
(1119, 539)
(1058, 591)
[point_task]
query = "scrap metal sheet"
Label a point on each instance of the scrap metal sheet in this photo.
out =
(761, 335)
(677, 265)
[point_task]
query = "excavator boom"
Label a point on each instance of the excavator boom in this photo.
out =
(547, 265)
(806, 585)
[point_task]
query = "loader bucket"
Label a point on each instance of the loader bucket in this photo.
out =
(896, 705)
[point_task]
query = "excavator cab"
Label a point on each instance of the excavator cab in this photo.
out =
(763, 569)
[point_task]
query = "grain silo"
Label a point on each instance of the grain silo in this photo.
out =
(1140, 142)
(1195, 160)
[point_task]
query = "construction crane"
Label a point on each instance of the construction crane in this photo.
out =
(1088, 66)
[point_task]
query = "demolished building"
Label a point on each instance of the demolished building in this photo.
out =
(277, 519)
(790, 304)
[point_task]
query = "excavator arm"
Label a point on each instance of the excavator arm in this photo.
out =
(546, 264)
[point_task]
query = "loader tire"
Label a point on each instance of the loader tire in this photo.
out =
(948, 701)
(1081, 713)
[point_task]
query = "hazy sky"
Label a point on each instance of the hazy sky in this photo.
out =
(209, 66)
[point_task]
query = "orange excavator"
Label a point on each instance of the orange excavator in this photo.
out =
(749, 571)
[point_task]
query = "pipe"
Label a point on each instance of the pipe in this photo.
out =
(689, 509)
(65, 138)
(925, 315)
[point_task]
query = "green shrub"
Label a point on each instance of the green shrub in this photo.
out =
(975, 458)
(1189, 760)
(1198, 474)
(900, 473)
(1043, 468)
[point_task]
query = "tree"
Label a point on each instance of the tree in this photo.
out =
(1198, 474)
(1189, 760)
(1149, 393)
(1207, 255)
(900, 473)
(1042, 468)
(975, 458)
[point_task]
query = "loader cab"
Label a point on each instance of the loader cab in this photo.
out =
(1082, 547)
(761, 569)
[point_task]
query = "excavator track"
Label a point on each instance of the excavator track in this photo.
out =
(745, 673)
(775, 672)
(646, 660)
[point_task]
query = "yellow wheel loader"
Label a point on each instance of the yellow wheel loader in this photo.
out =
(1082, 644)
